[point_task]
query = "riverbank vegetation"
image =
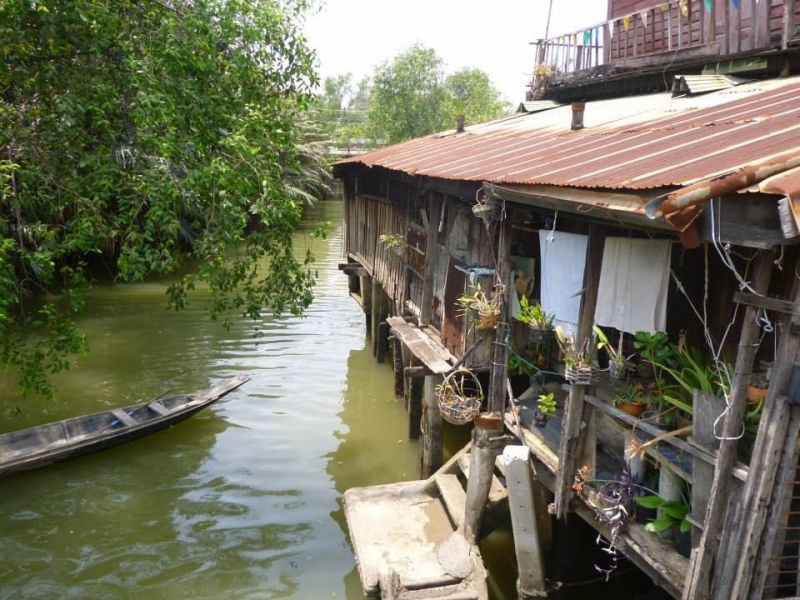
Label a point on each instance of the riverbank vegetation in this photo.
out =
(135, 136)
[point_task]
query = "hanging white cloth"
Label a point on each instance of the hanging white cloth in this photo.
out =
(563, 261)
(634, 281)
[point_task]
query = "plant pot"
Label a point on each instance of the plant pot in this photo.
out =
(647, 370)
(487, 320)
(399, 250)
(682, 541)
(484, 211)
(652, 417)
(644, 515)
(540, 419)
(756, 395)
(634, 409)
(539, 336)
(581, 374)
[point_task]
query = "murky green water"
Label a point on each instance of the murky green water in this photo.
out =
(241, 501)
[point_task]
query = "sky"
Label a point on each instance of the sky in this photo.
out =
(492, 35)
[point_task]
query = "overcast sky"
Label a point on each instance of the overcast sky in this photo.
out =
(492, 35)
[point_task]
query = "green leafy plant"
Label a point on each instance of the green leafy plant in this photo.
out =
(573, 355)
(630, 394)
(618, 361)
(534, 315)
(478, 301)
(691, 370)
(546, 403)
(393, 240)
(655, 348)
(670, 514)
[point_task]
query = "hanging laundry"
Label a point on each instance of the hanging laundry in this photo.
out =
(587, 37)
(563, 259)
(736, 4)
(643, 16)
(626, 23)
(634, 280)
(684, 6)
(709, 4)
(663, 7)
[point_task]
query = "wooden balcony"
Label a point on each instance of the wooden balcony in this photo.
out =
(647, 34)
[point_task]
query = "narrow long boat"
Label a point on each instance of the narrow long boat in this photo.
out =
(62, 440)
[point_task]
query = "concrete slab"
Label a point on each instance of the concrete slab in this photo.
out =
(399, 526)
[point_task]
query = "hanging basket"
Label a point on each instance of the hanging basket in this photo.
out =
(484, 211)
(460, 396)
(488, 320)
(539, 336)
(617, 371)
(581, 374)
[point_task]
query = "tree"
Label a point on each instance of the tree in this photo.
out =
(146, 133)
(410, 97)
(471, 93)
(407, 96)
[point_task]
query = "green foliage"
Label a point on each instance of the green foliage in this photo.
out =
(410, 97)
(534, 315)
(630, 394)
(145, 134)
(547, 404)
(670, 514)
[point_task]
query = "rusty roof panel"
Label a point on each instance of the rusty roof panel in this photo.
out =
(640, 143)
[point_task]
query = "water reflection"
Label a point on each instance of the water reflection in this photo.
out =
(242, 500)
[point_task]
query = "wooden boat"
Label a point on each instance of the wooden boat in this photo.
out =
(40, 446)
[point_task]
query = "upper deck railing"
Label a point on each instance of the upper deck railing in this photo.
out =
(710, 27)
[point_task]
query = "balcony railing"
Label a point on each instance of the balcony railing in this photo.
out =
(700, 27)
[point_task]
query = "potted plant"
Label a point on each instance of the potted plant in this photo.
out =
(488, 309)
(671, 517)
(631, 400)
(618, 363)
(483, 209)
(394, 242)
(653, 348)
(545, 409)
(578, 366)
(757, 390)
(539, 322)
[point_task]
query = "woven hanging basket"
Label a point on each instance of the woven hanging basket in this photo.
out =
(488, 320)
(460, 396)
(582, 374)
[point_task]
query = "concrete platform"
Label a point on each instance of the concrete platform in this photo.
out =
(402, 533)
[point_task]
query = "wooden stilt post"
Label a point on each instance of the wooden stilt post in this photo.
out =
(698, 580)
(399, 367)
(572, 446)
(414, 407)
(366, 300)
(542, 497)
(481, 471)
(376, 314)
(382, 341)
(530, 558)
(433, 429)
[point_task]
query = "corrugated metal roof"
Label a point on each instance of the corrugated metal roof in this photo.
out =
(702, 84)
(637, 143)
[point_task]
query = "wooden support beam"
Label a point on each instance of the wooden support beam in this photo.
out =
(431, 260)
(499, 373)
(775, 304)
(418, 371)
(433, 432)
(365, 284)
(749, 517)
(788, 23)
(524, 522)
(414, 406)
(397, 363)
(573, 445)
(698, 578)
(382, 344)
(706, 408)
(481, 471)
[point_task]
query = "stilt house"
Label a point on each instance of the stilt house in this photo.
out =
(646, 198)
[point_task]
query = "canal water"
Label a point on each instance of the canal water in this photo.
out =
(241, 501)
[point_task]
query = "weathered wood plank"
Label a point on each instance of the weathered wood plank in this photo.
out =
(422, 346)
(433, 432)
(481, 472)
(776, 304)
(453, 496)
(748, 518)
(698, 577)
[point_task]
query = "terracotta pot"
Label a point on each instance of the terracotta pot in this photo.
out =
(756, 395)
(633, 409)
